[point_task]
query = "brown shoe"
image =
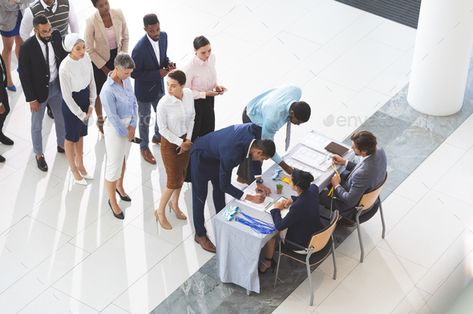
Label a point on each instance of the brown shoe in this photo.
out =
(148, 156)
(156, 140)
(205, 243)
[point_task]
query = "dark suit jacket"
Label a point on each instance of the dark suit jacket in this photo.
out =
(149, 85)
(365, 177)
(303, 218)
(227, 148)
(32, 67)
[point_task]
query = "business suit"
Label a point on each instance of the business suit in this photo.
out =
(98, 45)
(356, 181)
(303, 218)
(213, 157)
(149, 85)
(35, 79)
(3, 94)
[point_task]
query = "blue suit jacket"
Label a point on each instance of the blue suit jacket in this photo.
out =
(225, 149)
(303, 218)
(149, 85)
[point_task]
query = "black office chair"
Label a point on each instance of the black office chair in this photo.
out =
(321, 245)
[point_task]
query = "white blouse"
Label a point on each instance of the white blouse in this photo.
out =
(176, 117)
(74, 76)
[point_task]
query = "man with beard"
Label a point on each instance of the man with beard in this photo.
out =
(61, 15)
(152, 65)
(40, 57)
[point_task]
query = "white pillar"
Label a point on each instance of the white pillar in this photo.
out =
(441, 56)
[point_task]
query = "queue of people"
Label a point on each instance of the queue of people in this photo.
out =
(73, 75)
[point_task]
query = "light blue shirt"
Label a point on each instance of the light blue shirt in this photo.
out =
(270, 111)
(119, 102)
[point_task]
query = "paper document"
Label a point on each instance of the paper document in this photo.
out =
(312, 158)
(268, 201)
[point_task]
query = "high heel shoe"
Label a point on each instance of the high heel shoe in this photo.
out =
(11, 88)
(272, 266)
(179, 214)
(163, 221)
(86, 176)
(120, 216)
(80, 182)
(125, 197)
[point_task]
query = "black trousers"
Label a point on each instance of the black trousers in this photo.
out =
(204, 122)
(246, 168)
(6, 104)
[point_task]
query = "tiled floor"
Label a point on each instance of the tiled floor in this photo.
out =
(62, 251)
(425, 262)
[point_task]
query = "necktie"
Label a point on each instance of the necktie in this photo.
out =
(47, 60)
(49, 9)
(288, 133)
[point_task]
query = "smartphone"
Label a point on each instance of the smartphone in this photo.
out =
(136, 140)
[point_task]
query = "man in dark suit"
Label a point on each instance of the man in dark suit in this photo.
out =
(366, 175)
(4, 105)
(38, 65)
(213, 157)
(152, 65)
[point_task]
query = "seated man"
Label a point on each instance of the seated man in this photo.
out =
(359, 178)
(213, 157)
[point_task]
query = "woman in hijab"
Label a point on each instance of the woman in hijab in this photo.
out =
(78, 91)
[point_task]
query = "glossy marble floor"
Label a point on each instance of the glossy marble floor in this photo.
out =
(62, 251)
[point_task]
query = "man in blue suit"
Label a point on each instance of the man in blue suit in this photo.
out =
(152, 65)
(213, 157)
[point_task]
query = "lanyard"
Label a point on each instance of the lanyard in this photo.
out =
(332, 190)
(256, 224)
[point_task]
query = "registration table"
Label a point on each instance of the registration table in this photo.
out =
(239, 246)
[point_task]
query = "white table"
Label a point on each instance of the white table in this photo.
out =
(238, 246)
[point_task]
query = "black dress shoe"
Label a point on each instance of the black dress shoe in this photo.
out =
(118, 216)
(125, 197)
(42, 165)
(49, 112)
(60, 150)
(2, 159)
(6, 140)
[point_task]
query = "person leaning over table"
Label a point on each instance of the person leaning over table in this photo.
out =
(78, 91)
(175, 114)
(106, 34)
(270, 111)
(302, 220)
(213, 157)
(120, 106)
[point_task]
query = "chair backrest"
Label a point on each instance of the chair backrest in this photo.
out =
(368, 199)
(320, 239)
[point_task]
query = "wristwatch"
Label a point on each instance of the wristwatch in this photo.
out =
(259, 180)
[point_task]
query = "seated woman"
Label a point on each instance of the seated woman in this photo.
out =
(302, 220)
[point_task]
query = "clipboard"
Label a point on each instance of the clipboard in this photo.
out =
(284, 211)
(336, 148)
